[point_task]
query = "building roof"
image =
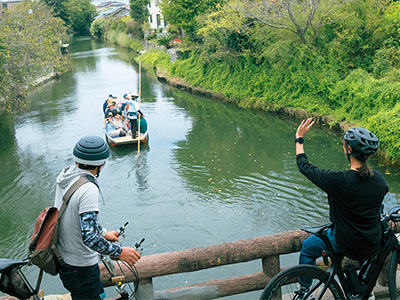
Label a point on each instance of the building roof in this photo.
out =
(110, 4)
(120, 11)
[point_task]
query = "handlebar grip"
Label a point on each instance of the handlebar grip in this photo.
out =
(117, 279)
(395, 217)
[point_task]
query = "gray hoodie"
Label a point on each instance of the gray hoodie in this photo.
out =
(85, 199)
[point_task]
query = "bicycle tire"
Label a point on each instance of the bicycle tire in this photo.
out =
(285, 284)
(394, 274)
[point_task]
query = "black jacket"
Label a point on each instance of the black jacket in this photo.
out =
(354, 207)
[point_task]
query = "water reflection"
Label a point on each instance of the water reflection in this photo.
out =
(211, 172)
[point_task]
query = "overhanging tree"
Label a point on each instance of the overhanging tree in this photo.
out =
(183, 13)
(305, 18)
(139, 11)
(30, 36)
(80, 15)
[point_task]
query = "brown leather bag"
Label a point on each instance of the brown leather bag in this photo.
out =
(43, 245)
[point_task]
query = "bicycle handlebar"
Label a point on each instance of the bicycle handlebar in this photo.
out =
(391, 217)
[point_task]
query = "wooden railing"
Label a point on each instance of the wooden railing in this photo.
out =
(267, 249)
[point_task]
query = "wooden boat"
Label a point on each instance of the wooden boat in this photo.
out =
(126, 140)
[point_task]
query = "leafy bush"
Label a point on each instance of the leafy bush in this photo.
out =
(165, 40)
(97, 29)
(386, 123)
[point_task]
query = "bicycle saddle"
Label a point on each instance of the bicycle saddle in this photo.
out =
(317, 230)
(8, 264)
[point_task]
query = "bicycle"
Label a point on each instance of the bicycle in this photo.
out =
(340, 282)
(14, 283)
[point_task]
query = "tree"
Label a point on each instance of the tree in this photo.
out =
(139, 11)
(301, 17)
(59, 9)
(29, 48)
(183, 13)
(80, 15)
(97, 29)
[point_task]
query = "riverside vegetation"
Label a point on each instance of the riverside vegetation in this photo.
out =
(338, 58)
(31, 34)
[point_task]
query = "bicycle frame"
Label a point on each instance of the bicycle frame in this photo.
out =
(391, 243)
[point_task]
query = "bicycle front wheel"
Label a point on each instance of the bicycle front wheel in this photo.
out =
(394, 275)
(285, 285)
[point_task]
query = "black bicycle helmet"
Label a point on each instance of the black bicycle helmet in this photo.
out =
(363, 142)
(91, 150)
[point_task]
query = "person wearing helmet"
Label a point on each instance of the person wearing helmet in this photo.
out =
(355, 197)
(81, 237)
(133, 110)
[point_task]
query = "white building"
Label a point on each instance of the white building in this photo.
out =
(156, 19)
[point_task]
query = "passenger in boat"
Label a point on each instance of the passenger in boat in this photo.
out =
(110, 97)
(355, 197)
(123, 103)
(111, 107)
(143, 125)
(133, 110)
(119, 124)
(113, 127)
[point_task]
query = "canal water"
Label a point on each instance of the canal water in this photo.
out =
(211, 172)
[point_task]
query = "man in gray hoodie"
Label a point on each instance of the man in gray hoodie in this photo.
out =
(81, 237)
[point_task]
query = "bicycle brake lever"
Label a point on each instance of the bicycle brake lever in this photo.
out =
(137, 245)
(121, 230)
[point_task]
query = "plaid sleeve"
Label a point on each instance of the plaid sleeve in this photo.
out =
(92, 238)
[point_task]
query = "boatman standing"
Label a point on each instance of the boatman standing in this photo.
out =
(133, 110)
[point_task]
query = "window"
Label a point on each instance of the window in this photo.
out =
(4, 5)
(151, 19)
(158, 20)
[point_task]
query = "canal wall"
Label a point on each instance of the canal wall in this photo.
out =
(296, 113)
(180, 84)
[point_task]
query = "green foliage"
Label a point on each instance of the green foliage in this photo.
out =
(155, 57)
(97, 29)
(139, 11)
(124, 40)
(165, 40)
(348, 69)
(30, 39)
(385, 60)
(387, 124)
(126, 25)
(59, 9)
(183, 13)
(80, 15)
(392, 24)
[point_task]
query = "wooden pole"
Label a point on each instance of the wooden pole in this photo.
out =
(140, 96)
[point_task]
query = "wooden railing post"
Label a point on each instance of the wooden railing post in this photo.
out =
(145, 290)
(271, 265)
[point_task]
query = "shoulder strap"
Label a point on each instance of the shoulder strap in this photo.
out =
(77, 184)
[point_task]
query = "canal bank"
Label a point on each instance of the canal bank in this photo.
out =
(300, 114)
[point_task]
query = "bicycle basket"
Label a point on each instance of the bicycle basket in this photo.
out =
(12, 284)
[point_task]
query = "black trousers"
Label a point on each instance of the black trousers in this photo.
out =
(134, 127)
(82, 282)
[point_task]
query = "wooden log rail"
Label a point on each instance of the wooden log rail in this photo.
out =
(266, 248)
